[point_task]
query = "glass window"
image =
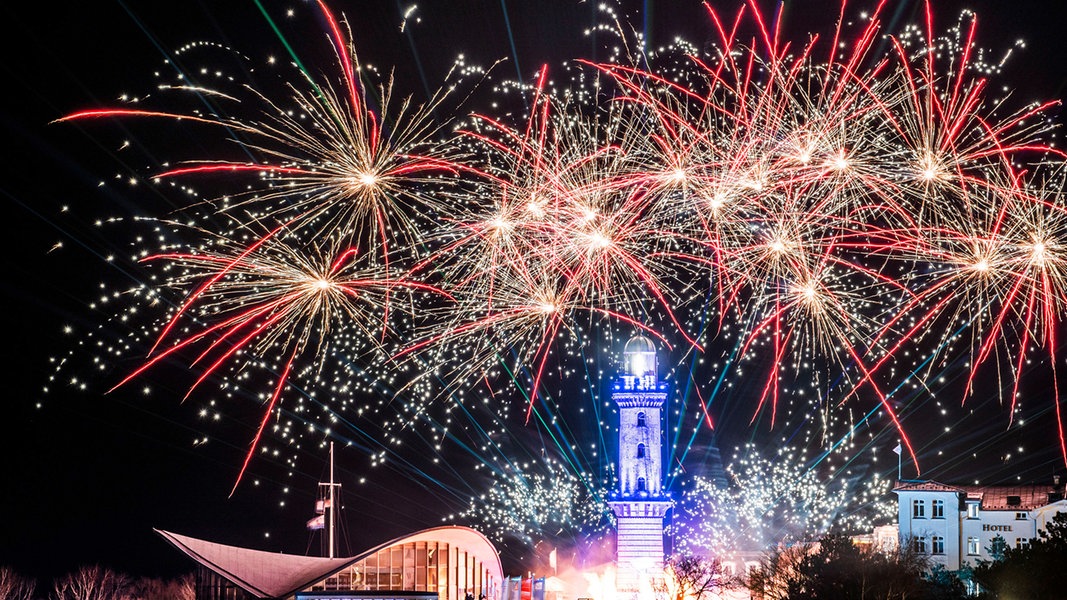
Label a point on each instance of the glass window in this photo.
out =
(920, 545)
(973, 547)
(1022, 542)
(641, 419)
(441, 558)
(972, 510)
(918, 509)
(1021, 516)
(461, 569)
(938, 544)
(937, 509)
(641, 484)
(640, 451)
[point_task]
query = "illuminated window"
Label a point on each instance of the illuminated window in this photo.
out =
(1022, 542)
(937, 509)
(973, 547)
(972, 510)
(640, 451)
(918, 509)
(938, 544)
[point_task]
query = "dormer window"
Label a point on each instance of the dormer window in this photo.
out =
(1014, 500)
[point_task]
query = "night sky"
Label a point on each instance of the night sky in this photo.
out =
(87, 476)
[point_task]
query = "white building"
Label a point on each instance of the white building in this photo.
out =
(955, 524)
(640, 502)
(441, 563)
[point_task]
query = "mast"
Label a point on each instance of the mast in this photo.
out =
(333, 507)
(326, 510)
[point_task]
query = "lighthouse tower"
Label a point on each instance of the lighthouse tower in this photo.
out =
(640, 501)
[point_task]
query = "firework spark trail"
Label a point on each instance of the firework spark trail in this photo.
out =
(959, 145)
(267, 298)
(846, 207)
(767, 501)
(328, 162)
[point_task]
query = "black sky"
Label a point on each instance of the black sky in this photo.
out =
(85, 478)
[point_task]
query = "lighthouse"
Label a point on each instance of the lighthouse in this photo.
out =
(640, 502)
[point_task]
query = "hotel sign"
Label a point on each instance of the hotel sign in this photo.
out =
(996, 527)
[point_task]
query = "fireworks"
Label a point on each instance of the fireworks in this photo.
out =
(531, 506)
(769, 501)
(821, 224)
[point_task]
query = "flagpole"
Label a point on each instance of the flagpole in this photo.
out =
(333, 508)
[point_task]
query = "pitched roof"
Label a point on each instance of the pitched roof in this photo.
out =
(1012, 497)
(992, 497)
(925, 486)
(262, 574)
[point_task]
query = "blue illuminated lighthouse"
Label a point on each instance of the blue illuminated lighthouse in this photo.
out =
(640, 501)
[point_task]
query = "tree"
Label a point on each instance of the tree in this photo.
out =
(771, 580)
(944, 584)
(835, 568)
(93, 583)
(997, 547)
(149, 588)
(694, 577)
(14, 586)
(1034, 571)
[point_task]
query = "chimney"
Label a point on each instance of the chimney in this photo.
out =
(1058, 493)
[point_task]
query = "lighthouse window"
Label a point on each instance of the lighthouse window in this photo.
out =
(641, 487)
(640, 451)
(640, 419)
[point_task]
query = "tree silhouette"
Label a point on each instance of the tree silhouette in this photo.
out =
(1032, 572)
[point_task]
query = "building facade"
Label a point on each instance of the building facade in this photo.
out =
(956, 525)
(640, 502)
(446, 563)
(453, 562)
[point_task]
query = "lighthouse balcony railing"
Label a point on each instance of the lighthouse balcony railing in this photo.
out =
(640, 383)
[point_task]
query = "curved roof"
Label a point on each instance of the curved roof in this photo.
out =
(276, 575)
(470, 540)
(262, 574)
(639, 344)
